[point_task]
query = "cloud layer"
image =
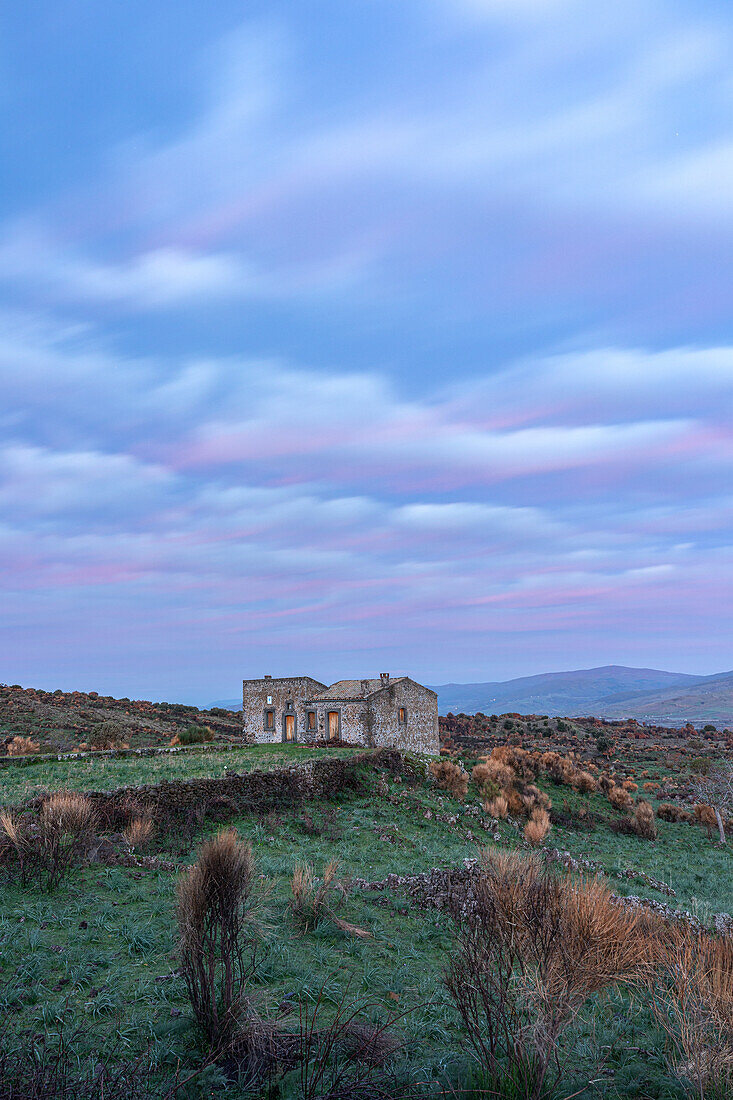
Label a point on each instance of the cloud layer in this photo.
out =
(405, 345)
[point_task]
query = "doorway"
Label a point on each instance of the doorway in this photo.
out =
(334, 725)
(289, 731)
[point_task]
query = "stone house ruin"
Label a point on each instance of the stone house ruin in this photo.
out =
(392, 711)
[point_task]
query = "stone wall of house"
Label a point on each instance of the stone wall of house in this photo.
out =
(282, 690)
(374, 721)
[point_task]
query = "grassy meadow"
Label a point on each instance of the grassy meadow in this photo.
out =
(98, 957)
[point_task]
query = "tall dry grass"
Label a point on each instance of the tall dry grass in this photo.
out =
(526, 958)
(220, 923)
(47, 848)
(692, 999)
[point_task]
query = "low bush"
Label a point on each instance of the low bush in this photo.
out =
(532, 948)
(620, 799)
(449, 777)
(643, 819)
(311, 898)
(193, 734)
(537, 827)
(667, 811)
(22, 746)
(45, 849)
(497, 807)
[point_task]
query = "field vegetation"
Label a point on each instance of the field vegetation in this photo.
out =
(271, 955)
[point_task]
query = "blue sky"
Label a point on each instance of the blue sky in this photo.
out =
(347, 337)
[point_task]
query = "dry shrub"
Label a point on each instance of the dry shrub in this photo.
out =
(705, 815)
(643, 820)
(522, 762)
(22, 746)
(528, 954)
(583, 782)
(620, 799)
(220, 902)
(484, 778)
(629, 785)
(311, 898)
(344, 1058)
(497, 807)
(514, 800)
(651, 787)
(693, 1003)
(537, 827)
(449, 777)
(46, 849)
(605, 783)
(667, 811)
(138, 832)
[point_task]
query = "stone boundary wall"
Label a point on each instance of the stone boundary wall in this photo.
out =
(117, 754)
(227, 796)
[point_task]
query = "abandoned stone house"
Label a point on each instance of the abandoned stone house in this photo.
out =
(391, 711)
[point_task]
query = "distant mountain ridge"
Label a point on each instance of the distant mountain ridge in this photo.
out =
(611, 691)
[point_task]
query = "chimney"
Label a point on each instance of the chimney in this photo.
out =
(268, 677)
(384, 677)
(364, 688)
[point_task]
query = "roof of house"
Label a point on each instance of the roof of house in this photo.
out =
(347, 690)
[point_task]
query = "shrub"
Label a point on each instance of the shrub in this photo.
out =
(700, 765)
(537, 827)
(484, 778)
(693, 1003)
(22, 746)
(643, 819)
(497, 807)
(449, 777)
(109, 735)
(310, 896)
(193, 734)
(620, 799)
(530, 951)
(669, 812)
(629, 785)
(48, 848)
(220, 932)
(583, 782)
(138, 832)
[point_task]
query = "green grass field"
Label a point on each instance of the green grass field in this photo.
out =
(99, 954)
(20, 781)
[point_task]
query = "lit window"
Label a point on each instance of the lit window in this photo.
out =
(269, 698)
(403, 716)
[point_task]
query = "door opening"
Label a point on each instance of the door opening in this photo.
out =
(289, 727)
(333, 725)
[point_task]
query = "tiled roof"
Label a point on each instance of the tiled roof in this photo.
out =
(351, 689)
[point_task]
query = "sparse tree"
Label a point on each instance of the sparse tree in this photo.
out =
(716, 789)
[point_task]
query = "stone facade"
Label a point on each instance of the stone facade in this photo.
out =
(394, 712)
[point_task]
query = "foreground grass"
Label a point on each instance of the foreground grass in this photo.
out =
(100, 953)
(100, 773)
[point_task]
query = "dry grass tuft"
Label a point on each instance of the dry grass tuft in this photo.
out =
(537, 827)
(138, 832)
(22, 746)
(449, 777)
(534, 947)
(497, 807)
(220, 902)
(693, 1002)
(620, 799)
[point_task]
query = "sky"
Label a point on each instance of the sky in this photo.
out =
(346, 338)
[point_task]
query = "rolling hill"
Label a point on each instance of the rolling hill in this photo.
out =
(583, 691)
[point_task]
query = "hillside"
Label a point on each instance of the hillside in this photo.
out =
(708, 700)
(64, 720)
(584, 691)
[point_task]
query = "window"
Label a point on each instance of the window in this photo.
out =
(269, 698)
(402, 716)
(289, 704)
(311, 719)
(269, 719)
